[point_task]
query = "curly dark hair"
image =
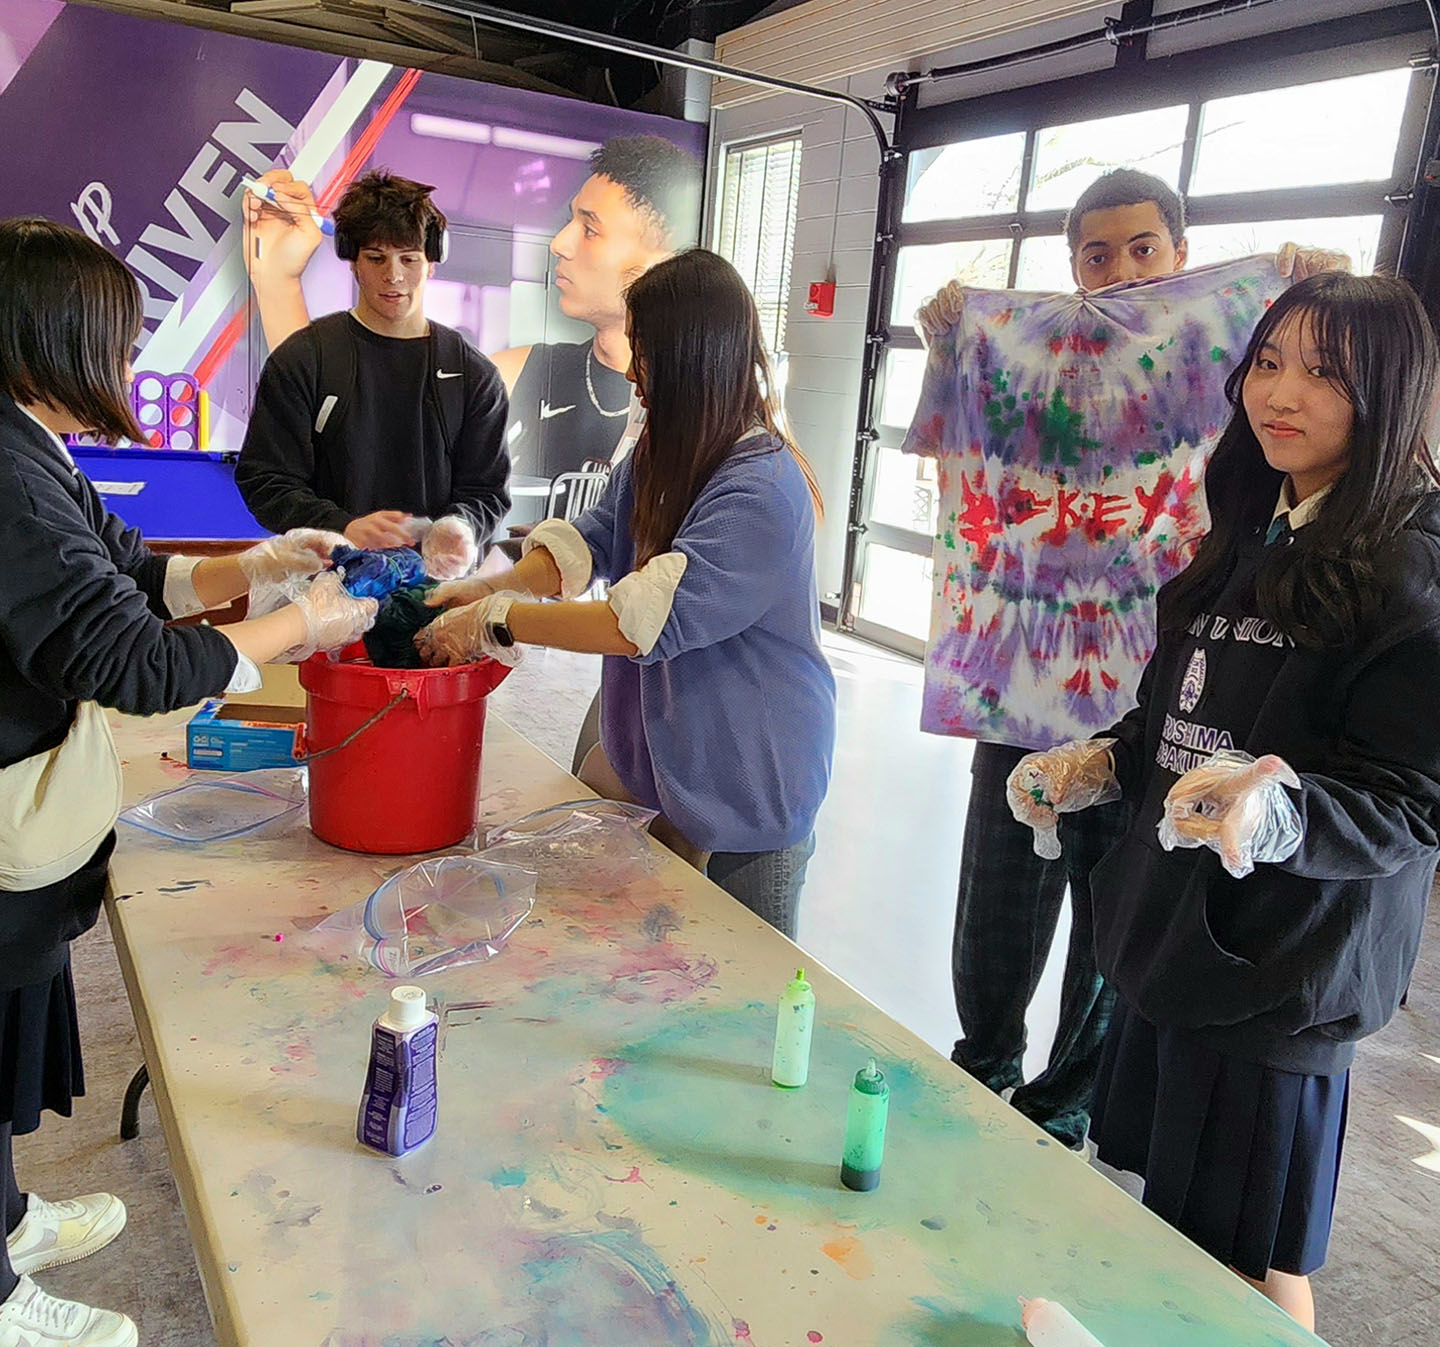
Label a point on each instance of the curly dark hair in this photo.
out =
(385, 209)
(1127, 187)
(661, 181)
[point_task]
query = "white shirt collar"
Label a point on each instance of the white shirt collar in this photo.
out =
(1301, 514)
(59, 443)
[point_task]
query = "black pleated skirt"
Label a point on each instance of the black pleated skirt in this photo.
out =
(1241, 1158)
(40, 1066)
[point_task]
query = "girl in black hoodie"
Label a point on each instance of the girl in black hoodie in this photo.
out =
(1264, 911)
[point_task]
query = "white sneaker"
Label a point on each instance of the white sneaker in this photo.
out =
(31, 1318)
(52, 1233)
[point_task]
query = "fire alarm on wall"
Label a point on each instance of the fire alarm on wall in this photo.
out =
(822, 299)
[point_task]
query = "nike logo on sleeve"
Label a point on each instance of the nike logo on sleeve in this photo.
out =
(547, 411)
(448, 374)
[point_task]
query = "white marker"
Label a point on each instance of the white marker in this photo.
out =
(266, 192)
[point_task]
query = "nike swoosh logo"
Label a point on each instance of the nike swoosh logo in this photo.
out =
(547, 411)
(448, 374)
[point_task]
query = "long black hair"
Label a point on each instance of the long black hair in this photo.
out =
(697, 348)
(1372, 333)
(69, 314)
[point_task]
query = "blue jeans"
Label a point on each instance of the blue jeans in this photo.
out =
(767, 882)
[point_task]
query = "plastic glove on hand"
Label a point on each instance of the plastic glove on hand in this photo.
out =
(457, 593)
(940, 312)
(1297, 263)
(299, 552)
(449, 548)
(1061, 780)
(463, 635)
(333, 619)
(1236, 805)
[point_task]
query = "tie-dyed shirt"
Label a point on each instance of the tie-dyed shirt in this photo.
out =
(1072, 433)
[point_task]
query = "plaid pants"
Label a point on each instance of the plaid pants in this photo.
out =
(1009, 903)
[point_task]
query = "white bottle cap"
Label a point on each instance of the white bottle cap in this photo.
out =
(407, 1007)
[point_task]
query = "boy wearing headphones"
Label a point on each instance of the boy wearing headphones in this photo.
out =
(368, 417)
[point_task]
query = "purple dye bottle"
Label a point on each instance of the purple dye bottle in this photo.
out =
(397, 1110)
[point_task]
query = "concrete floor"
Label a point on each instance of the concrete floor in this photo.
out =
(878, 910)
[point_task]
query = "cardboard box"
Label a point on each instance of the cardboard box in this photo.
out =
(240, 738)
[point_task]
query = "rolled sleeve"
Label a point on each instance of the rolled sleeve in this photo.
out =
(569, 551)
(643, 599)
(179, 594)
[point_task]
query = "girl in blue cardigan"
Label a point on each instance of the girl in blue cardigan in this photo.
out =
(717, 705)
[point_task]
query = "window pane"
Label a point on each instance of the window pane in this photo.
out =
(900, 390)
(756, 232)
(976, 177)
(1337, 131)
(905, 494)
(1069, 158)
(923, 269)
(895, 591)
(1357, 235)
(1045, 264)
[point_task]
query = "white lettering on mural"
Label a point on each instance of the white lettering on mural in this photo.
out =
(210, 180)
(91, 210)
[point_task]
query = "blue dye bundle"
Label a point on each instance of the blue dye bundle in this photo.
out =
(377, 575)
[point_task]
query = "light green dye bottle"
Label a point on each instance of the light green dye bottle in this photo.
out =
(793, 1025)
(865, 1130)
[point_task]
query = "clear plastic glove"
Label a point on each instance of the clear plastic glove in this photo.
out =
(1236, 805)
(940, 312)
(298, 552)
(333, 619)
(1061, 780)
(1296, 263)
(457, 593)
(449, 548)
(463, 635)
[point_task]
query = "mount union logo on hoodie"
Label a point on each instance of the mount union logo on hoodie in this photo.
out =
(1192, 686)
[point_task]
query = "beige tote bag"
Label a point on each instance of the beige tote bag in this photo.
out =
(57, 807)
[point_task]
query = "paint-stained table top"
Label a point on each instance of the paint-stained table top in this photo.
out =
(612, 1165)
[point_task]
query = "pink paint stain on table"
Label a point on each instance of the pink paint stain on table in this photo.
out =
(813, 1336)
(632, 1177)
(742, 1331)
(602, 1068)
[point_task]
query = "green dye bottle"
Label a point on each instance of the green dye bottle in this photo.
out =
(865, 1130)
(794, 1022)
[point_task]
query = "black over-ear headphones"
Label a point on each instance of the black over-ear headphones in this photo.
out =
(436, 244)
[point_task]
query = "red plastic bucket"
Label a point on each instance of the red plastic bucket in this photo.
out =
(410, 781)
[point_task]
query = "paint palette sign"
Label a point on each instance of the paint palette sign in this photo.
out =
(171, 410)
(1073, 433)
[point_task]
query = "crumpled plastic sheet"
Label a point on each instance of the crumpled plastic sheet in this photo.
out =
(214, 809)
(439, 913)
(579, 846)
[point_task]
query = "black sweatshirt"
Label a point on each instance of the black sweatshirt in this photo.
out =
(1291, 965)
(82, 618)
(390, 450)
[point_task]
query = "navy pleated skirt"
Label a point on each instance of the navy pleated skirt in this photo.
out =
(40, 1066)
(1241, 1158)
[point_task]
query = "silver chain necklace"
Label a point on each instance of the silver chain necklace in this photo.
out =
(590, 388)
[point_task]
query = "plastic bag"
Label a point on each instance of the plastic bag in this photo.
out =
(579, 845)
(213, 810)
(437, 914)
(1236, 805)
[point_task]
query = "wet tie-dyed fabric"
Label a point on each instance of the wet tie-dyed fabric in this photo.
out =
(1072, 433)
